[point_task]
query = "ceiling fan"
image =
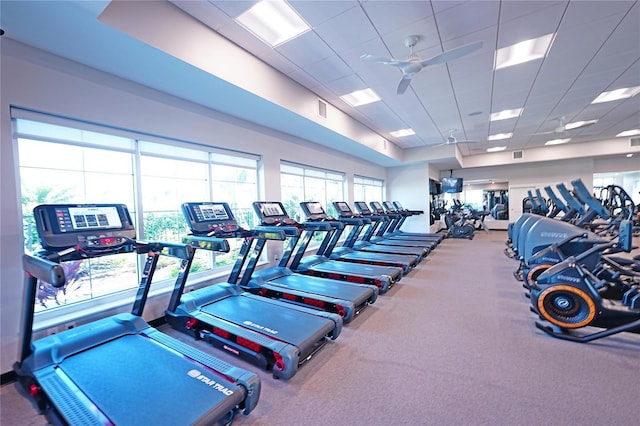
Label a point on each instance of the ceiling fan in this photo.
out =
(562, 129)
(414, 64)
(452, 140)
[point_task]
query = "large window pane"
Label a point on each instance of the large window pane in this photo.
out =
(299, 183)
(368, 189)
(58, 173)
(60, 164)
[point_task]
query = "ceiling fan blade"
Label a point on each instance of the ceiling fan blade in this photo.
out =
(386, 61)
(452, 54)
(402, 86)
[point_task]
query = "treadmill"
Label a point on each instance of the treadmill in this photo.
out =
(118, 370)
(387, 233)
(276, 336)
(347, 253)
(279, 282)
(379, 221)
(404, 214)
(383, 277)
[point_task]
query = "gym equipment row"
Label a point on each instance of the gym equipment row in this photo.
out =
(276, 318)
(567, 263)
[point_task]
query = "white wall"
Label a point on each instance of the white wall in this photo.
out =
(529, 176)
(409, 185)
(35, 80)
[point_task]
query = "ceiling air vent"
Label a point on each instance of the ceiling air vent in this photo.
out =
(322, 108)
(517, 155)
(634, 142)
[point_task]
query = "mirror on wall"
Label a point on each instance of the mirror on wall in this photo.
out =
(480, 195)
(630, 181)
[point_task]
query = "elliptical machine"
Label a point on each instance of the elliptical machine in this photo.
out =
(457, 222)
(568, 296)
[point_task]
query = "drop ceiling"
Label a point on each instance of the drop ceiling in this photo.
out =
(596, 48)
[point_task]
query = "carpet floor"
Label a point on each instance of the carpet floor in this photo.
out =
(453, 343)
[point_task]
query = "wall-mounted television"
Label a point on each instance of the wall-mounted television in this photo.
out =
(452, 184)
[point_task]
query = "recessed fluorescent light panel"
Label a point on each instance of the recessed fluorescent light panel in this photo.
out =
(633, 132)
(496, 149)
(499, 136)
(402, 133)
(273, 21)
(506, 114)
(557, 141)
(577, 124)
(615, 95)
(524, 51)
(360, 97)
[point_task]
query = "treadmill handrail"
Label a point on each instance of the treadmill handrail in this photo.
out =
(44, 270)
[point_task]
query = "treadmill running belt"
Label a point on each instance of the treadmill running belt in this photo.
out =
(134, 381)
(268, 319)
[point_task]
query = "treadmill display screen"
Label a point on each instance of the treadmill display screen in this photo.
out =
(362, 206)
(377, 206)
(271, 209)
(343, 207)
(315, 208)
(81, 219)
(210, 212)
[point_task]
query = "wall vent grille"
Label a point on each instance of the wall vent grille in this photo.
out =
(517, 155)
(322, 108)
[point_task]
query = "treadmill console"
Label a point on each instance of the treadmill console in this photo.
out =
(210, 218)
(92, 226)
(343, 209)
(397, 205)
(313, 210)
(377, 207)
(388, 206)
(362, 208)
(273, 213)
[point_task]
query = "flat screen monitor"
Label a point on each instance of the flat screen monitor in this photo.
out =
(451, 185)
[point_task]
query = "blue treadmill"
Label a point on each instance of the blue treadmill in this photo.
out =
(371, 243)
(118, 370)
(388, 230)
(383, 277)
(396, 230)
(315, 213)
(274, 335)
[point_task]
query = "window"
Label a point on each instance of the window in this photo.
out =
(303, 183)
(60, 164)
(368, 189)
